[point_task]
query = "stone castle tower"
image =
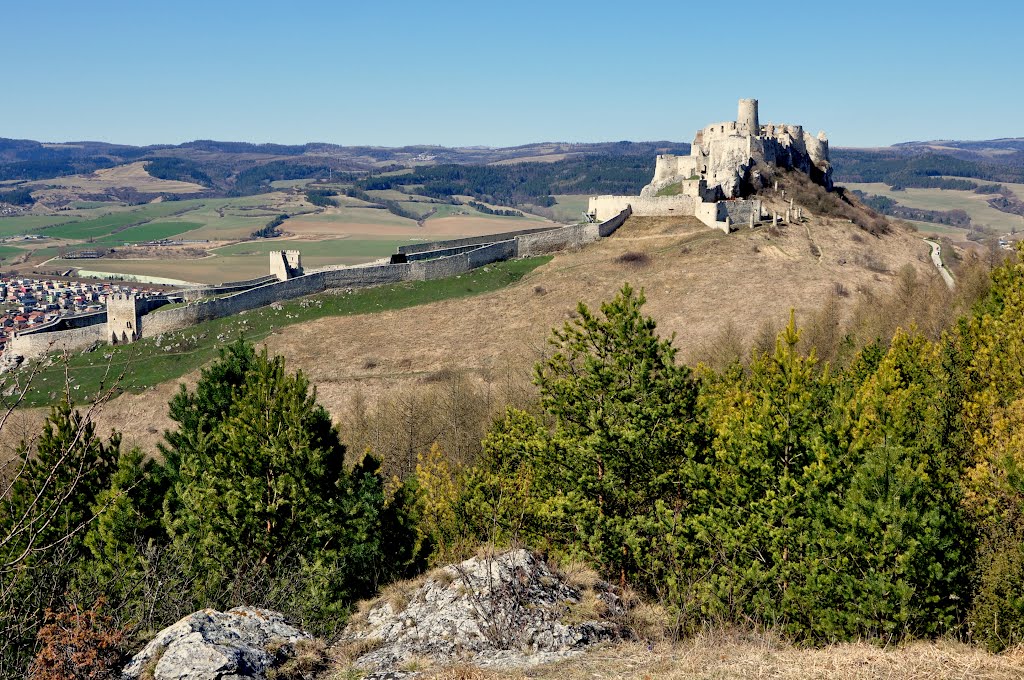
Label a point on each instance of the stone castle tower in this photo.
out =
(285, 264)
(746, 119)
(122, 318)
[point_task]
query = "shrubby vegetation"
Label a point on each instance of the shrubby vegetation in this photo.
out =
(480, 207)
(321, 197)
(251, 502)
(271, 229)
(20, 196)
(861, 484)
(179, 169)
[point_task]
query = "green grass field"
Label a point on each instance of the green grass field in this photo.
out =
(570, 207)
(145, 363)
(151, 231)
(10, 252)
(975, 205)
(104, 226)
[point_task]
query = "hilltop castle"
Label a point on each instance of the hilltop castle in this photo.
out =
(721, 168)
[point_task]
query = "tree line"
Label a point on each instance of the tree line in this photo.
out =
(900, 169)
(523, 183)
(887, 206)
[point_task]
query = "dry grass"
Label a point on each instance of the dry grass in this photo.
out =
(700, 284)
(131, 175)
(725, 654)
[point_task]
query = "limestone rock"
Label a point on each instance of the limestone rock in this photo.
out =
(507, 610)
(240, 644)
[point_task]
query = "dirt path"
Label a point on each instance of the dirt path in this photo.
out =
(937, 261)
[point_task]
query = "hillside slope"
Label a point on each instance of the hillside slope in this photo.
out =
(698, 282)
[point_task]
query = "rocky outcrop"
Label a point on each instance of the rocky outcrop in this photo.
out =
(240, 644)
(504, 610)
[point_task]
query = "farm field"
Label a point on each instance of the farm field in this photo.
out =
(570, 207)
(210, 269)
(341, 248)
(975, 205)
(352, 232)
(130, 175)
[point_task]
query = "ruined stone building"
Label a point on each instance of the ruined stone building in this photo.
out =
(711, 182)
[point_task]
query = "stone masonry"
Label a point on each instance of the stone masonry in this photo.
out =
(721, 165)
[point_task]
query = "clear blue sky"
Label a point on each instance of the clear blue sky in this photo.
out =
(504, 73)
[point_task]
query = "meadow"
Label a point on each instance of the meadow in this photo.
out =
(975, 205)
(150, 361)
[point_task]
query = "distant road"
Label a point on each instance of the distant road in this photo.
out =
(937, 260)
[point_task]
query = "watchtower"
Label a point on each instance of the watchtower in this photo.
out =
(122, 318)
(285, 264)
(746, 118)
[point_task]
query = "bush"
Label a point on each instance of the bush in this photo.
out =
(78, 644)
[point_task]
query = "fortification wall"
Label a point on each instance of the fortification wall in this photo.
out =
(68, 322)
(441, 252)
(608, 227)
(607, 207)
(557, 239)
(358, 277)
(667, 166)
(35, 345)
(200, 292)
(739, 212)
(470, 241)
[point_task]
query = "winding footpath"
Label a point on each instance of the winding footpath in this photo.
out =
(937, 260)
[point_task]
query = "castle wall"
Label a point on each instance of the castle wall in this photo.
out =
(471, 241)
(557, 239)
(607, 207)
(200, 292)
(668, 165)
(33, 345)
(441, 252)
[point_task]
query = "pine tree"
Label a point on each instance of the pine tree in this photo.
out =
(626, 430)
(263, 500)
(44, 517)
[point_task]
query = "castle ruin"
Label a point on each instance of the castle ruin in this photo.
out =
(712, 182)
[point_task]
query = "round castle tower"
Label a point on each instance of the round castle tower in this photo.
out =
(746, 118)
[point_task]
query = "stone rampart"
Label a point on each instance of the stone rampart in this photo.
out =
(608, 227)
(32, 345)
(557, 239)
(200, 292)
(607, 207)
(470, 241)
(359, 277)
(441, 252)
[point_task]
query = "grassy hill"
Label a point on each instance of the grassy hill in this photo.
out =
(716, 293)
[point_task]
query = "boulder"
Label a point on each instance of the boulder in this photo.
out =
(240, 644)
(502, 610)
